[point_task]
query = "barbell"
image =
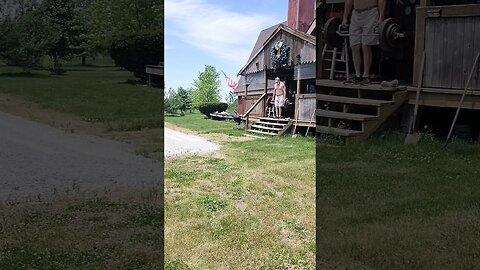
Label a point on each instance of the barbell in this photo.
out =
(389, 32)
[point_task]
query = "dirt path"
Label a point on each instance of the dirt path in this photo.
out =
(37, 161)
(178, 143)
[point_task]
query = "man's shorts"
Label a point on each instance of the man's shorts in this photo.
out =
(363, 23)
(279, 101)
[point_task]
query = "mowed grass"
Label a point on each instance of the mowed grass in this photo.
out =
(249, 206)
(86, 232)
(95, 233)
(384, 205)
(98, 93)
(198, 123)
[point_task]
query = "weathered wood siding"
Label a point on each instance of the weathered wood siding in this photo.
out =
(298, 46)
(306, 104)
(307, 71)
(451, 45)
(256, 83)
(249, 101)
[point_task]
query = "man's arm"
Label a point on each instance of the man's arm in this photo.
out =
(381, 10)
(284, 91)
(347, 11)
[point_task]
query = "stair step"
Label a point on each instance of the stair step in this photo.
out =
(338, 131)
(253, 136)
(273, 124)
(267, 128)
(343, 115)
(339, 84)
(262, 132)
(267, 119)
(350, 100)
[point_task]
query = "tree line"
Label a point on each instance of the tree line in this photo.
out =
(205, 92)
(131, 31)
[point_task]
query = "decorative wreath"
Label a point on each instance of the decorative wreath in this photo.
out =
(279, 53)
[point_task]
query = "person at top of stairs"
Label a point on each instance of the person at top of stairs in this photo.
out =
(366, 16)
(279, 95)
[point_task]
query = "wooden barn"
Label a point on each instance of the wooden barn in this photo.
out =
(286, 50)
(445, 34)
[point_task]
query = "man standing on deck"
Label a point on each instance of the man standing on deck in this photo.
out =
(279, 95)
(365, 16)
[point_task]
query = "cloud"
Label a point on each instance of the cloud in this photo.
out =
(224, 34)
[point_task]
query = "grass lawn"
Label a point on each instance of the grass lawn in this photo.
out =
(125, 232)
(199, 124)
(249, 206)
(83, 234)
(384, 205)
(98, 93)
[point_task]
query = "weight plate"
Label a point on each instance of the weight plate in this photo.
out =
(387, 37)
(330, 32)
(408, 10)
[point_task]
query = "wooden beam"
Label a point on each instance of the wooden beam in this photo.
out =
(265, 90)
(419, 42)
(297, 95)
(320, 21)
(424, 3)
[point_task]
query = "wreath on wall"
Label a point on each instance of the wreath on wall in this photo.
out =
(279, 53)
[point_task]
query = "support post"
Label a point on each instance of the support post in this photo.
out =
(265, 90)
(297, 95)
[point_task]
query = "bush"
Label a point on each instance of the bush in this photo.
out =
(133, 52)
(208, 108)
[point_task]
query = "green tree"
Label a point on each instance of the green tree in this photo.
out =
(232, 101)
(184, 100)
(206, 87)
(171, 103)
(107, 20)
(60, 31)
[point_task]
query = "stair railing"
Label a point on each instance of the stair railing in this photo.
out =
(247, 114)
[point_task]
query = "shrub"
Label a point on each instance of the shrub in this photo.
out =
(208, 108)
(133, 52)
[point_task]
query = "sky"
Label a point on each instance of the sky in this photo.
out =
(219, 33)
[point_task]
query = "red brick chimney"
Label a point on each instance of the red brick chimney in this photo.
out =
(300, 14)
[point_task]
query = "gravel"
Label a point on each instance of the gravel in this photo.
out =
(178, 143)
(37, 161)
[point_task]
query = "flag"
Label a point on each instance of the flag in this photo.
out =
(231, 83)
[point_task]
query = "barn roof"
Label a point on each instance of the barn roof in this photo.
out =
(266, 35)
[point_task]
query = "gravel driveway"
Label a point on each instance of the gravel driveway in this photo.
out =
(178, 143)
(37, 161)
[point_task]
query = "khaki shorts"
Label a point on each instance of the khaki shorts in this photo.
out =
(363, 23)
(279, 101)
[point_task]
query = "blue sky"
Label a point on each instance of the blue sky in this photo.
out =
(219, 33)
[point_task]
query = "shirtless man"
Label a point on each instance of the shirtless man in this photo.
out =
(366, 16)
(279, 95)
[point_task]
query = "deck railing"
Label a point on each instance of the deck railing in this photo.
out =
(247, 114)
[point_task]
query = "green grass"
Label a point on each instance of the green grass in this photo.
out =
(96, 233)
(98, 92)
(250, 206)
(202, 125)
(384, 205)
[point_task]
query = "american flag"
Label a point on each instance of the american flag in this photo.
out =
(231, 83)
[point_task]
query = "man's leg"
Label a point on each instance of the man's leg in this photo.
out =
(367, 60)
(280, 112)
(357, 59)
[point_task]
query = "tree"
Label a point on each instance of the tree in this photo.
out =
(232, 101)
(206, 87)
(184, 100)
(60, 31)
(171, 103)
(109, 20)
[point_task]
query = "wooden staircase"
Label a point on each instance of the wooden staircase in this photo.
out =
(268, 126)
(354, 112)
